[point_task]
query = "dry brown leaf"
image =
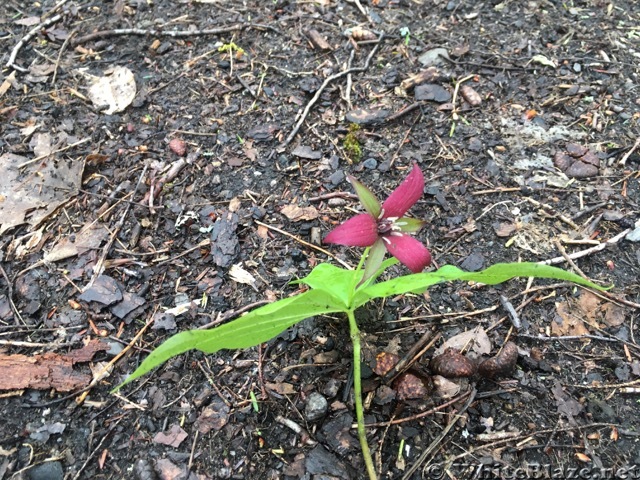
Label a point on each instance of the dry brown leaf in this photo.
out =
(298, 214)
(283, 388)
(567, 322)
(172, 437)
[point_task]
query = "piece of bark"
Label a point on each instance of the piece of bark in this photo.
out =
(318, 40)
(429, 75)
(47, 370)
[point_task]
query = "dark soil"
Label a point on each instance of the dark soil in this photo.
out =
(550, 81)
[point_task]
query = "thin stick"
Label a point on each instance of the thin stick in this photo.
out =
(99, 266)
(439, 438)
(588, 251)
(233, 313)
(41, 157)
(324, 85)
(30, 34)
(564, 253)
(170, 33)
(310, 245)
(65, 44)
(10, 295)
(626, 156)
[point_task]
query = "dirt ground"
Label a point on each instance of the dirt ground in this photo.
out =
(230, 158)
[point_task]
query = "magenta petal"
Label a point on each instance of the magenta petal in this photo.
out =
(406, 195)
(359, 231)
(409, 251)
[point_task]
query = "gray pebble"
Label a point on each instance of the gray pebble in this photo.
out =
(46, 471)
(316, 407)
(370, 163)
(337, 177)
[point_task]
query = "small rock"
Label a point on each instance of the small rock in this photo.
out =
(331, 388)
(370, 163)
(384, 395)
(435, 56)
(337, 177)
(367, 117)
(306, 153)
(143, 470)
(475, 145)
(473, 263)
(432, 92)
(46, 471)
(320, 461)
(316, 407)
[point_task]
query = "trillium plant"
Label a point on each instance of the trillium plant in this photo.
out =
(380, 229)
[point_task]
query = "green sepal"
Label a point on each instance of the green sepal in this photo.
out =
(367, 199)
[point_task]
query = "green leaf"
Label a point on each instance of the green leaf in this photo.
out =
(409, 225)
(498, 273)
(332, 280)
(257, 326)
(367, 199)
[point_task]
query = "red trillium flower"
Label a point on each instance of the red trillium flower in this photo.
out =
(384, 227)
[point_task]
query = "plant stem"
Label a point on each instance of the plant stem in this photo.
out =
(357, 393)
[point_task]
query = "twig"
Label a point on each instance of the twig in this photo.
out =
(98, 447)
(564, 253)
(304, 436)
(561, 216)
(569, 337)
(30, 34)
(417, 416)
(157, 186)
(54, 9)
(327, 196)
(310, 245)
(41, 157)
(233, 313)
(588, 251)
(10, 295)
(626, 156)
(246, 87)
(170, 33)
(513, 315)
(412, 356)
(99, 266)
(439, 438)
(64, 46)
(324, 85)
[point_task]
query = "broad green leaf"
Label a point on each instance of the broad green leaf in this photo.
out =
(332, 280)
(257, 326)
(493, 275)
(367, 199)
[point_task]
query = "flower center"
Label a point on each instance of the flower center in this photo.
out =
(387, 225)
